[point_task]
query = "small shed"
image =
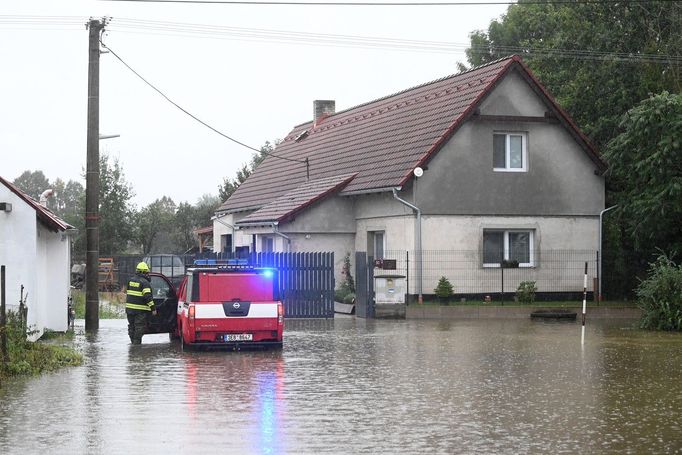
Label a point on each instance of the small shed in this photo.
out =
(35, 248)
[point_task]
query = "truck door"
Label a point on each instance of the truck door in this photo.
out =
(166, 301)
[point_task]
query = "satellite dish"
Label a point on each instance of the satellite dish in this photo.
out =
(418, 172)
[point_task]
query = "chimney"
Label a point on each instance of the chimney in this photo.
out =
(323, 107)
(45, 195)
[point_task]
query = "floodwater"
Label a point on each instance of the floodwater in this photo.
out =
(354, 386)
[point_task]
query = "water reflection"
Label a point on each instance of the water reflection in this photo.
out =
(356, 386)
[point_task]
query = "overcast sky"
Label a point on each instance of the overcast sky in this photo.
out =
(252, 89)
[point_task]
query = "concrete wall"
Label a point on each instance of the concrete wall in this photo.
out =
(560, 177)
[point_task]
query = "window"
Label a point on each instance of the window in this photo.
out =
(375, 244)
(509, 152)
(226, 243)
(267, 244)
(511, 245)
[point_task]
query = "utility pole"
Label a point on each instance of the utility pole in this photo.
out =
(95, 27)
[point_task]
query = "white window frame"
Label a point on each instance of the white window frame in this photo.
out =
(374, 243)
(505, 236)
(507, 151)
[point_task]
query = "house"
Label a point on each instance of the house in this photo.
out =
(35, 248)
(483, 162)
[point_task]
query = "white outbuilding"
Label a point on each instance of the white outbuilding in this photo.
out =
(35, 248)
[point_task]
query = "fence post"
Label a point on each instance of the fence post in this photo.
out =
(3, 319)
(407, 275)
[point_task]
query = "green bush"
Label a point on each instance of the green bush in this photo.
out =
(349, 299)
(444, 289)
(347, 286)
(660, 296)
(340, 294)
(27, 358)
(525, 293)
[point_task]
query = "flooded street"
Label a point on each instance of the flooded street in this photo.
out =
(356, 386)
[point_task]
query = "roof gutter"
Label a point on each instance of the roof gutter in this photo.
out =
(418, 235)
(276, 231)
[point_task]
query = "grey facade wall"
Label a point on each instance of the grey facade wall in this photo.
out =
(560, 178)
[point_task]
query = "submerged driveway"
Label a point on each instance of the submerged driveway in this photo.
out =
(354, 386)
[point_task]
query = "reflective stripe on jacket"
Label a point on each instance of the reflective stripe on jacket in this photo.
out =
(139, 294)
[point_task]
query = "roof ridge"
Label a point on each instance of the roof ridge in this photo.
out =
(513, 56)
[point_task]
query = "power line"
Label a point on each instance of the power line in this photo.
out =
(364, 3)
(192, 115)
(124, 25)
(318, 39)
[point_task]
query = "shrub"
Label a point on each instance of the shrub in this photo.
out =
(525, 293)
(340, 294)
(660, 296)
(349, 299)
(443, 289)
(27, 358)
(347, 286)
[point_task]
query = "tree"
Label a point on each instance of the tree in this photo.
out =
(184, 225)
(68, 199)
(155, 219)
(205, 209)
(229, 186)
(117, 221)
(598, 59)
(32, 183)
(646, 173)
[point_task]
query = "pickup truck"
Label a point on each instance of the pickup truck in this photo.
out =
(229, 306)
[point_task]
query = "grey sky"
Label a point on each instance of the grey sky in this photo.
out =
(253, 90)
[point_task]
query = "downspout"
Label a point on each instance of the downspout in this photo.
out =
(599, 277)
(419, 242)
(224, 223)
(276, 232)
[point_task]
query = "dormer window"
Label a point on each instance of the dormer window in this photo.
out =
(509, 152)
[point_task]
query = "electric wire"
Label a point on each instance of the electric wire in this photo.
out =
(282, 36)
(365, 3)
(149, 27)
(192, 115)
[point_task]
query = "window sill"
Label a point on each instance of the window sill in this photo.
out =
(501, 169)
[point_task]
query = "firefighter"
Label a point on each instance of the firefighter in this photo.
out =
(139, 303)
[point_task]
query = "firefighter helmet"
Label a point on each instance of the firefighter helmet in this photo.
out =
(142, 267)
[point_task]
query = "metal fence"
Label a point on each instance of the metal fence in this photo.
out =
(305, 280)
(557, 272)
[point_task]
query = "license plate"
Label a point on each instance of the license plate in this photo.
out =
(238, 337)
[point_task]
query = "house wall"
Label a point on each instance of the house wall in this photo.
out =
(18, 252)
(38, 259)
(56, 279)
(18, 234)
(560, 178)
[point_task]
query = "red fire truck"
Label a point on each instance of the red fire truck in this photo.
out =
(231, 305)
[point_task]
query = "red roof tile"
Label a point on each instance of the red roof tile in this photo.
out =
(381, 141)
(49, 219)
(285, 207)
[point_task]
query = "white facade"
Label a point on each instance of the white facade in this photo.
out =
(37, 258)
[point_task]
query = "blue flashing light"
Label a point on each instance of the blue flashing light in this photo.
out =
(268, 273)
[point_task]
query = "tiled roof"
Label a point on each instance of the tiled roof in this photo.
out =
(49, 219)
(382, 141)
(286, 206)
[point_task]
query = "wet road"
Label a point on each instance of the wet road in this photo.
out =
(355, 386)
